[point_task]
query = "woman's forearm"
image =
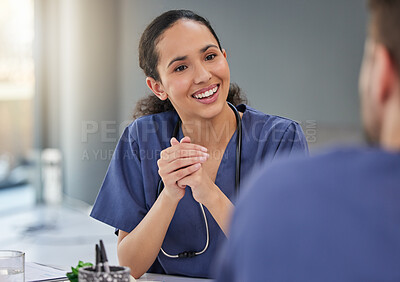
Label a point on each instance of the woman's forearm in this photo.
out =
(140, 247)
(221, 209)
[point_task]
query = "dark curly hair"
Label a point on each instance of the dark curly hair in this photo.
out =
(148, 60)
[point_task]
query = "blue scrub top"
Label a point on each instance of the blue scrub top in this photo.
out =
(130, 186)
(336, 218)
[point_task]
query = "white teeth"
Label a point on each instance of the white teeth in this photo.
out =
(206, 93)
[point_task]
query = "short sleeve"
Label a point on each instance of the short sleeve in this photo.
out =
(121, 200)
(292, 143)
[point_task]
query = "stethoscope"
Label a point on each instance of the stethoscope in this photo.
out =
(189, 254)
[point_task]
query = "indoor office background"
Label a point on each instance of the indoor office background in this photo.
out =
(69, 80)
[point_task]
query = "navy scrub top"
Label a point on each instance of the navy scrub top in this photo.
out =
(130, 186)
(336, 218)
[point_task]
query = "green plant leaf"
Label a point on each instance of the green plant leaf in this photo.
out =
(73, 276)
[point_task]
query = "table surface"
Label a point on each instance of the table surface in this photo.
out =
(169, 278)
(36, 272)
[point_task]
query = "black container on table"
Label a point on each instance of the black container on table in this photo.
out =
(116, 274)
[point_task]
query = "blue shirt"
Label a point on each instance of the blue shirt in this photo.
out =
(333, 217)
(130, 187)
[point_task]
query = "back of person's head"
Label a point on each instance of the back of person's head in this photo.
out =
(385, 25)
(380, 76)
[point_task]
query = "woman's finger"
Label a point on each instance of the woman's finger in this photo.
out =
(174, 141)
(170, 156)
(167, 168)
(185, 146)
(182, 163)
(181, 173)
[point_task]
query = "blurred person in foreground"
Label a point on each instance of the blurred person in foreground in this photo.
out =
(336, 216)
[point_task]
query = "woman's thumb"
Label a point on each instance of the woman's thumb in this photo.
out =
(185, 139)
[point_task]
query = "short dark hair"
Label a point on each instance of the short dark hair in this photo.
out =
(385, 25)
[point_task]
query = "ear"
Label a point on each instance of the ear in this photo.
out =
(157, 88)
(224, 53)
(385, 73)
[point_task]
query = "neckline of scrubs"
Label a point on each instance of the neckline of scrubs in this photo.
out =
(232, 140)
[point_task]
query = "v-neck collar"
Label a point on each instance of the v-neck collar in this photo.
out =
(231, 143)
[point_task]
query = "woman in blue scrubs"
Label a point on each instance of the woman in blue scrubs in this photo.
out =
(187, 70)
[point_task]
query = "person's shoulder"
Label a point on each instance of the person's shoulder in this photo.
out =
(152, 123)
(321, 160)
(301, 169)
(347, 158)
(327, 177)
(273, 130)
(256, 116)
(295, 177)
(158, 118)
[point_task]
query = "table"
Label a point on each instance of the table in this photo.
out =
(37, 272)
(169, 278)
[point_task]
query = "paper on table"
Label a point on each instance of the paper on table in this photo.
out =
(39, 272)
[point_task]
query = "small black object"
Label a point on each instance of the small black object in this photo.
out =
(188, 254)
(104, 259)
(117, 273)
(98, 259)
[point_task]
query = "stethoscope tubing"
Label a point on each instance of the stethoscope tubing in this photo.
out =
(237, 183)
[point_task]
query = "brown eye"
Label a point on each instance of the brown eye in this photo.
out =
(210, 57)
(181, 68)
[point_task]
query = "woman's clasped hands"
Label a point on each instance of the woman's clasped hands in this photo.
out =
(181, 165)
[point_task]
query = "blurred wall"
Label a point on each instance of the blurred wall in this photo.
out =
(297, 58)
(89, 92)
(77, 96)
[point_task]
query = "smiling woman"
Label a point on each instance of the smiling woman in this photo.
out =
(149, 59)
(153, 202)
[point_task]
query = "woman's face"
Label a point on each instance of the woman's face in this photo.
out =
(193, 71)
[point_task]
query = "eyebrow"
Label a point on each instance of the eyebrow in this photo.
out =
(208, 46)
(181, 58)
